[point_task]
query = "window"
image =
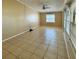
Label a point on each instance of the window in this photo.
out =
(50, 18)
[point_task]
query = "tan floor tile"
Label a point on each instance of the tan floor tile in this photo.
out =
(42, 46)
(29, 48)
(16, 51)
(53, 46)
(61, 43)
(50, 56)
(14, 43)
(62, 48)
(25, 55)
(7, 46)
(50, 49)
(7, 55)
(71, 52)
(53, 41)
(43, 42)
(13, 49)
(61, 57)
(63, 54)
(39, 52)
(35, 44)
(35, 57)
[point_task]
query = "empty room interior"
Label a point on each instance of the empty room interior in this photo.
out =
(38, 29)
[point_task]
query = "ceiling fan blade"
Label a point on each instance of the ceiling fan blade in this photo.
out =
(44, 7)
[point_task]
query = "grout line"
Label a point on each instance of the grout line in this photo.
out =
(11, 53)
(45, 51)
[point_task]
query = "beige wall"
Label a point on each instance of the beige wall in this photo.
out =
(58, 19)
(17, 18)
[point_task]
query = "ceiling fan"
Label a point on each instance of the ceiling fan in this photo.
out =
(45, 5)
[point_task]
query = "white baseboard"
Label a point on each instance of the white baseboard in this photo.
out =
(66, 38)
(14, 36)
(17, 35)
(66, 46)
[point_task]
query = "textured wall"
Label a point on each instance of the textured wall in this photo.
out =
(17, 18)
(58, 19)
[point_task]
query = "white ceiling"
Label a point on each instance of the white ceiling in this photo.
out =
(55, 5)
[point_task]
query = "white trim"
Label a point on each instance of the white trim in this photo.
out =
(14, 36)
(73, 41)
(66, 46)
(17, 35)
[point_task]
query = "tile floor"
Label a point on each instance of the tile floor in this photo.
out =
(42, 43)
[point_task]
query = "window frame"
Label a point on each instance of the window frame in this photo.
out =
(53, 17)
